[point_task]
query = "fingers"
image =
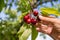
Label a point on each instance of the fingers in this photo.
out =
(53, 20)
(57, 27)
(44, 28)
(38, 29)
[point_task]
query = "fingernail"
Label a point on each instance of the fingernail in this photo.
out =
(37, 28)
(40, 16)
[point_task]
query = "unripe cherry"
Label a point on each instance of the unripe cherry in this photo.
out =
(35, 13)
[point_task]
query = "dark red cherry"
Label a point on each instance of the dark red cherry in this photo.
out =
(38, 18)
(35, 13)
(33, 21)
(26, 17)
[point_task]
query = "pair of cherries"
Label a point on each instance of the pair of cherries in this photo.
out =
(28, 18)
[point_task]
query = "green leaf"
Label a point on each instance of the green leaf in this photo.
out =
(45, 14)
(34, 33)
(2, 4)
(25, 34)
(22, 29)
(11, 13)
(24, 6)
(51, 11)
(6, 0)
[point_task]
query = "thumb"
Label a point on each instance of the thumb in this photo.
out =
(53, 20)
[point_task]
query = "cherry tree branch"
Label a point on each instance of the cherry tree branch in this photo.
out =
(34, 3)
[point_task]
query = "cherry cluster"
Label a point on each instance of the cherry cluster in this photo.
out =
(28, 19)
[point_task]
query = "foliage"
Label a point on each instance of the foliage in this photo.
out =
(51, 11)
(23, 5)
(14, 27)
(34, 32)
(1, 5)
(11, 13)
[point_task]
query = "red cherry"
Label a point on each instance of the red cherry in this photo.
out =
(33, 21)
(38, 18)
(35, 13)
(28, 21)
(26, 17)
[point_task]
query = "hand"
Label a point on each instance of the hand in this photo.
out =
(49, 25)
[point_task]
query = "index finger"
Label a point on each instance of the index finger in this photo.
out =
(53, 20)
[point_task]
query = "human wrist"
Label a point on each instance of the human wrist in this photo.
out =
(54, 34)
